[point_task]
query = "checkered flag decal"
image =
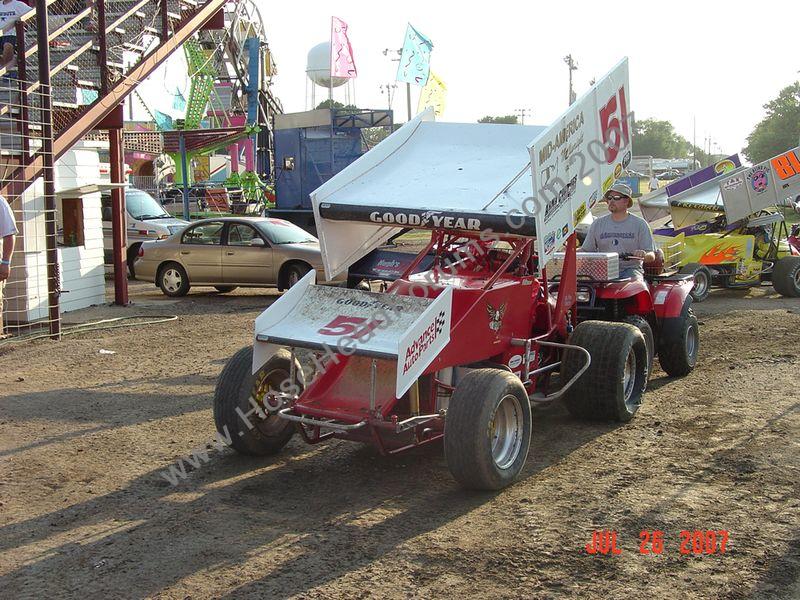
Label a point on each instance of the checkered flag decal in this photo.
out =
(439, 322)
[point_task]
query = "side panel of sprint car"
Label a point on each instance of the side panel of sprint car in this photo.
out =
(484, 321)
(733, 250)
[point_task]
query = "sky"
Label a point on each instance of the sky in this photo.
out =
(690, 62)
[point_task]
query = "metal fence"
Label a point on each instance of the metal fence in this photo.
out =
(30, 298)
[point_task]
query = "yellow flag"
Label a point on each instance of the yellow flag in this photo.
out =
(433, 94)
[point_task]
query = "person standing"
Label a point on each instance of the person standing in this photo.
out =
(8, 231)
(621, 232)
(10, 12)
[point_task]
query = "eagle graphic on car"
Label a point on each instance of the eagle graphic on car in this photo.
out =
(495, 316)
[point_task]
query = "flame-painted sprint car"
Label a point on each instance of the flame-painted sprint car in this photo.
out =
(728, 231)
(460, 351)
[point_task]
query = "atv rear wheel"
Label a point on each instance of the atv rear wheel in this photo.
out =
(246, 425)
(613, 386)
(786, 276)
(679, 344)
(643, 325)
(487, 430)
(702, 280)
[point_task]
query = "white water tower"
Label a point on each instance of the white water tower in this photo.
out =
(318, 67)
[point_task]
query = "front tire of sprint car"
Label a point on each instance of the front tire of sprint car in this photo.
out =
(255, 435)
(487, 430)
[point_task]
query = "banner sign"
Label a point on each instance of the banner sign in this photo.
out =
(576, 160)
(766, 184)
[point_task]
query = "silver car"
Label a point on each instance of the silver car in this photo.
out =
(229, 252)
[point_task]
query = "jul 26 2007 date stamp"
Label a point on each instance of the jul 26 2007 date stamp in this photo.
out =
(690, 541)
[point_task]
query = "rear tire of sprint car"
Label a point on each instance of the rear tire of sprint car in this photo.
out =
(786, 276)
(173, 280)
(487, 430)
(702, 280)
(254, 436)
(679, 344)
(611, 389)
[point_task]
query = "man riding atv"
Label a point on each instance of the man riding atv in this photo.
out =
(623, 233)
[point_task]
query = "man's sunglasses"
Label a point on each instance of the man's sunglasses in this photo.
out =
(615, 197)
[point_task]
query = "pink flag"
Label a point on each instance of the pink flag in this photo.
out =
(342, 64)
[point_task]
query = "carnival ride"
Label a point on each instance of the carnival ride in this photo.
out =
(229, 106)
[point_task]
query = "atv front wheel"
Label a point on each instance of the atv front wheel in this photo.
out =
(786, 276)
(612, 387)
(487, 430)
(702, 280)
(244, 423)
(679, 344)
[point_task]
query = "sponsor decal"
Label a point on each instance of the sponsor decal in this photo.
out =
(424, 341)
(425, 219)
(579, 213)
(593, 199)
(563, 196)
(562, 137)
(724, 166)
(565, 230)
(570, 149)
(495, 316)
(548, 171)
(617, 170)
(608, 183)
(515, 361)
(759, 179)
(626, 160)
(734, 183)
(720, 254)
(550, 242)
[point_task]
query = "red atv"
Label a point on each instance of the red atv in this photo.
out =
(456, 353)
(660, 306)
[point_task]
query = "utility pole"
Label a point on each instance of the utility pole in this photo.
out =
(390, 89)
(386, 52)
(522, 113)
(573, 66)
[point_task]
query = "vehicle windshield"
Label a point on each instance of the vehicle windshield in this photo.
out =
(143, 206)
(283, 232)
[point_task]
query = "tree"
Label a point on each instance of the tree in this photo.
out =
(659, 139)
(339, 105)
(779, 130)
(505, 120)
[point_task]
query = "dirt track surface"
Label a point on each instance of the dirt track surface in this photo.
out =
(85, 511)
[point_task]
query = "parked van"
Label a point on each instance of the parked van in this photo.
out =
(146, 221)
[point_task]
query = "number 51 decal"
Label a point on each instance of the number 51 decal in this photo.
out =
(343, 326)
(615, 130)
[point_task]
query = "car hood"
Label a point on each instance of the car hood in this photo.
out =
(309, 251)
(168, 222)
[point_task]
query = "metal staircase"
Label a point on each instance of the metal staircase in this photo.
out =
(96, 58)
(74, 68)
